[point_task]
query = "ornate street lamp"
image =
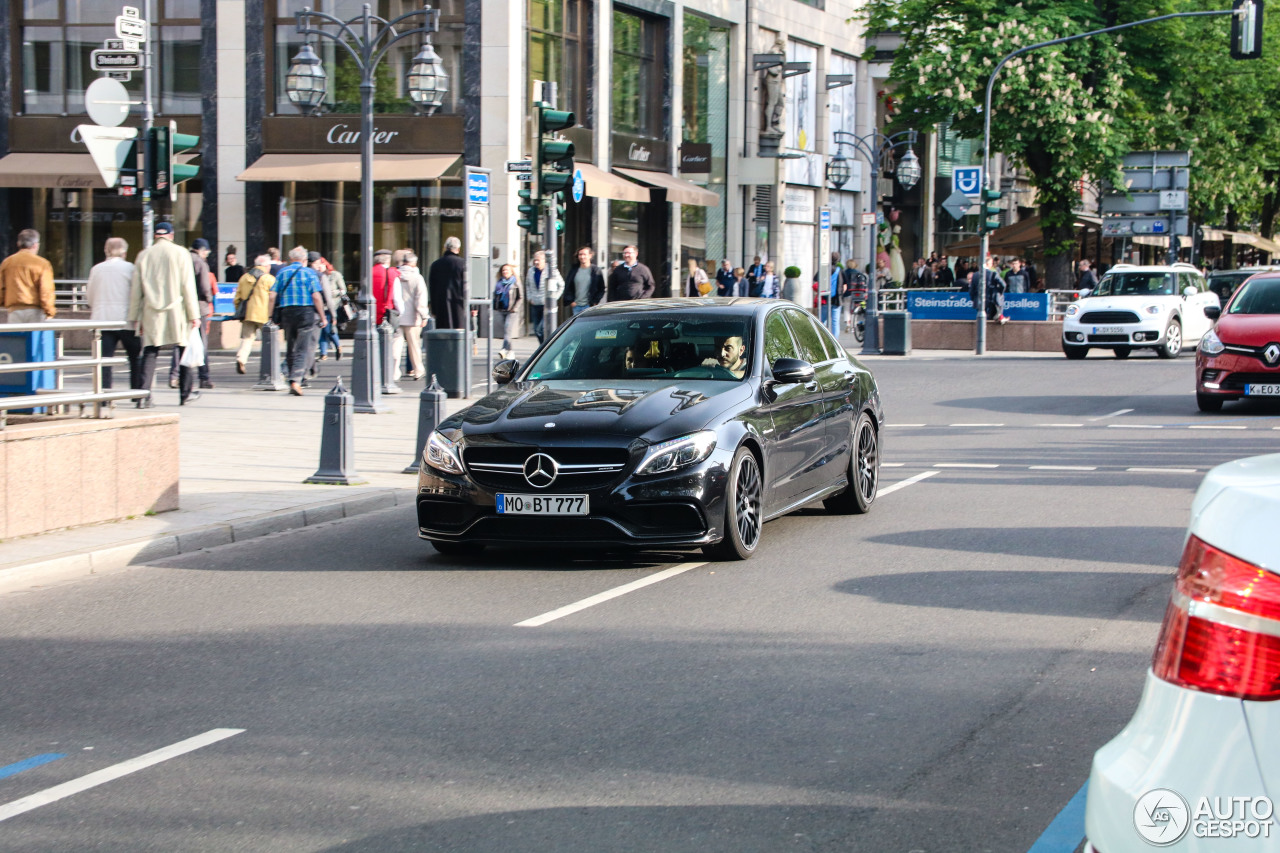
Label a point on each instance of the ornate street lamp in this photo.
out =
(367, 38)
(427, 81)
(306, 83)
(908, 169)
(838, 170)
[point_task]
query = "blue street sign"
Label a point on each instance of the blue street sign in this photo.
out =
(824, 220)
(937, 305)
(478, 188)
(579, 186)
(967, 180)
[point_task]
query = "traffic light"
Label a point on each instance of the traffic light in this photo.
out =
(557, 204)
(163, 171)
(528, 212)
(1246, 29)
(990, 210)
(553, 158)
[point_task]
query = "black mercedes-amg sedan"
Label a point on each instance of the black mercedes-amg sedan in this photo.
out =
(673, 424)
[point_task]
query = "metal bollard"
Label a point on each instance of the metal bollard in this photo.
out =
(430, 414)
(337, 445)
(386, 336)
(269, 378)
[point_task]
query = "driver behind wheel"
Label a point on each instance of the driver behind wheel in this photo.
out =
(732, 356)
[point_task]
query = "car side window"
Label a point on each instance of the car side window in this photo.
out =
(829, 343)
(811, 349)
(777, 340)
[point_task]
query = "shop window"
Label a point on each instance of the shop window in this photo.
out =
(556, 38)
(639, 74)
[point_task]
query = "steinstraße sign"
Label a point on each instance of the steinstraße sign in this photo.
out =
(940, 305)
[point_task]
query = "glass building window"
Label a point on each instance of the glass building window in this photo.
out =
(56, 47)
(639, 74)
(390, 95)
(705, 120)
(556, 43)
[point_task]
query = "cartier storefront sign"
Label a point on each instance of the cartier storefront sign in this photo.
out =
(695, 157)
(639, 153)
(391, 134)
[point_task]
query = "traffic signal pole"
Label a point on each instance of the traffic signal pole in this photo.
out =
(148, 121)
(1245, 10)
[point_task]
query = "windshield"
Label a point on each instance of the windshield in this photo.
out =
(673, 345)
(1257, 296)
(1135, 284)
(1225, 283)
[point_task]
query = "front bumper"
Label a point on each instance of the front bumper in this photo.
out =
(684, 509)
(1226, 374)
(1192, 743)
(1146, 333)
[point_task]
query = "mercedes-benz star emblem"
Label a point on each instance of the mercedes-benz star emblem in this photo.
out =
(540, 470)
(1271, 354)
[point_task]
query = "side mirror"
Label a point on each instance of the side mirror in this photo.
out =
(1213, 312)
(790, 371)
(1084, 293)
(505, 370)
(1189, 290)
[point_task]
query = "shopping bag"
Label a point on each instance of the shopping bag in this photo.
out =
(193, 355)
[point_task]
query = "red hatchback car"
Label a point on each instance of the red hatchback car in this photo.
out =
(1240, 356)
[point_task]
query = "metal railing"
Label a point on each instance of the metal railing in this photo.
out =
(69, 293)
(895, 299)
(102, 402)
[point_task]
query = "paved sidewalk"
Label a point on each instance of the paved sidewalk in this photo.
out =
(245, 454)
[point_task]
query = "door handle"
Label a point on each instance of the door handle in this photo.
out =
(811, 386)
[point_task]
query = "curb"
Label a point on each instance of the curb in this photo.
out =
(86, 562)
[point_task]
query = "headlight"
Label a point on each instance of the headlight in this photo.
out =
(442, 454)
(678, 453)
(1151, 309)
(1211, 344)
(1073, 310)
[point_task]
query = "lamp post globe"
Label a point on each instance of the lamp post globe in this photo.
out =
(427, 82)
(838, 171)
(306, 83)
(908, 169)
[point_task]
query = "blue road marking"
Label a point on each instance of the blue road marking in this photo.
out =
(1067, 830)
(27, 764)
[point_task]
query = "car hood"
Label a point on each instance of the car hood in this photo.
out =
(1249, 330)
(652, 410)
(1119, 303)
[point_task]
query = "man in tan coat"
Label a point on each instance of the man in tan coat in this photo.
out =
(254, 292)
(162, 302)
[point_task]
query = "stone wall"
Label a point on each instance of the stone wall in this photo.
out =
(962, 335)
(73, 471)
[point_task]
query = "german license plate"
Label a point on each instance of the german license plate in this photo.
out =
(1253, 390)
(543, 505)
(1108, 330)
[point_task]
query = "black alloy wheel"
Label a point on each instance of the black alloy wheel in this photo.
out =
(744, 509)
(864, 472)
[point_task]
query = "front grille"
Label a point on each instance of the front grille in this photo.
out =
(1237, 381)
(1108, 339)
(501, 467)
(1108, 317)
(667, 519)
(535, 529)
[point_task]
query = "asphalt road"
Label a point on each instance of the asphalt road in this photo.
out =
(934, 676)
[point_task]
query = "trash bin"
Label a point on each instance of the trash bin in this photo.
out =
(19, 347)
(448, 356)
(896, 337)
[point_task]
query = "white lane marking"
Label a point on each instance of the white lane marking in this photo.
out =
(977, 425)
(1135, 426)
(1062, 468)
(964, 465)
(892, 464)
(1060, 425)
(888, 490)
(561, 612)
(1112, 415)
(124, 768)
(1217, 426)
(920, 425)
(1161, 470)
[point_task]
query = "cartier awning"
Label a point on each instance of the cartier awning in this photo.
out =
(65, 171)
(346, 167)
(678, 190)
(602, 184)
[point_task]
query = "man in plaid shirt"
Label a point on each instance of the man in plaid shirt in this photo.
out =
(300, 296)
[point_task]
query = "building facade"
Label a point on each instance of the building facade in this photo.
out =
(693, 141)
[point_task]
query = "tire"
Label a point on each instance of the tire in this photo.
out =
(864, 472)
(1209, 403)
(743, 511)
(457, 549)
(1172, 346)
(1121, 352)
(859, 325)
(1073, 352)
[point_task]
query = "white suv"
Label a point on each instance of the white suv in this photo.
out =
(1155, 307)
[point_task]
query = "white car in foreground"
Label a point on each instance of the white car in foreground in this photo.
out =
(1151, 307)
(1198, 766)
